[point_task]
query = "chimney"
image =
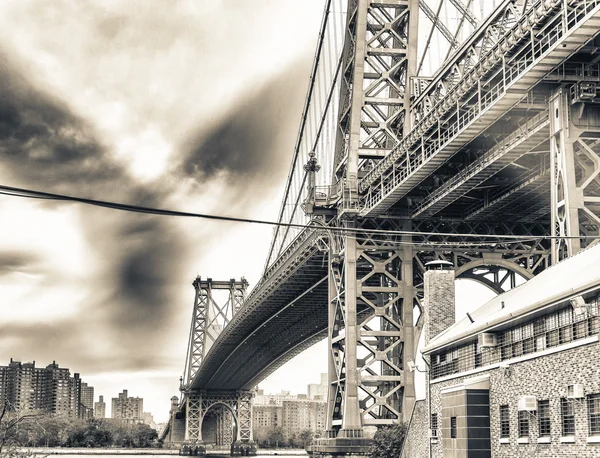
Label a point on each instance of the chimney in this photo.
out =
(438, 303)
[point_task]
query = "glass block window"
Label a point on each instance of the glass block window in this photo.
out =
(453, 428)
(555, 329)
(544, 418)
(551, 322)
(523, 423)
(567, 417)
(434, 425)
(504, 421)
(593, 405)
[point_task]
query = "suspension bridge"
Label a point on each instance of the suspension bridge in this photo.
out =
(460, 130)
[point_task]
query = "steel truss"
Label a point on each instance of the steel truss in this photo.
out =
(209, 318)
(575, 174)
(522, 140)
(378, 60)
(477, 84)
(236, 403)
(375, 311)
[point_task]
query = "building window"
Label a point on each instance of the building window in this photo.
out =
(434, 425)
(523, 423)
(544, 418)
(567, 416)
(453, 427)
(593, 403)
(504, 421)
(556, 328)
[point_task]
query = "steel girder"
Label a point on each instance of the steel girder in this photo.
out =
(280, 318)
(370, 334)
(378, 60)
(526, 137)
(545, 35)
(575, 175)
(200, 402)
(526, 199)
(209, 318)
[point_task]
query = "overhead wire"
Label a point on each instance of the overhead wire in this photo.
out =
(494, 238)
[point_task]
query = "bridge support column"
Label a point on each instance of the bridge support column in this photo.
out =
(575, 168)
(238, 404)
(371, 337)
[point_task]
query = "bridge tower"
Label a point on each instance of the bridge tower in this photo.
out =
(226, 414)
(371, 292)
(575, 167)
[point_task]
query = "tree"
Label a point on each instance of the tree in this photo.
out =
(388, 440)
(16, 430)
(275, 436)
(305, 437)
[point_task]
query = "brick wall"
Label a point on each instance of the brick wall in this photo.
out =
(545, 377)
(416, 444)
(438, 302)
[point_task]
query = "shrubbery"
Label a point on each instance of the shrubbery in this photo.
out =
(57, 431)
(388, 440)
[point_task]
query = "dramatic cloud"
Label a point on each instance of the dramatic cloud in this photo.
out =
(16, 261)
(193, 107)
(247, 143)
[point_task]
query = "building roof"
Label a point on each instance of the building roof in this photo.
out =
(570, 277)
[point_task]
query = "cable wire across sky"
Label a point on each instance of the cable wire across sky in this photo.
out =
(496, 238)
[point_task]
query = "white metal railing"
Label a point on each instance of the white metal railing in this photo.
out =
(523, 132)
(412, 153)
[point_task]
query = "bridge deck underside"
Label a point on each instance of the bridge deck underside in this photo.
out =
(267, 333)
(433, 197)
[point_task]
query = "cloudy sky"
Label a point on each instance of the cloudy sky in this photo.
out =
(188, 105)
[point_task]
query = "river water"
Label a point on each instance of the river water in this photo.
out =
(149, 455)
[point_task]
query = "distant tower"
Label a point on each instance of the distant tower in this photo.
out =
(100, 408)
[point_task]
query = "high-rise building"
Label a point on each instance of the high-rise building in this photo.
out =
(100, 408)
(128, 409)
(318, 391)
(24, 387)
(87, 401)
(148, 419)
(293, 413)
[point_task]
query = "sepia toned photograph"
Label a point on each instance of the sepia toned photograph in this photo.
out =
(317, 228)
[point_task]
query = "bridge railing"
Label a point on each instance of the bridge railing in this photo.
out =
(413, 152)
(523, 132)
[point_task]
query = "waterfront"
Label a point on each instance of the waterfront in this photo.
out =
(150, 452)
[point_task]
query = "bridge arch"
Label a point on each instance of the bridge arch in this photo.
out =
(209, 408)
(468, 271)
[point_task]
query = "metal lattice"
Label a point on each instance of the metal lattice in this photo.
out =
(209, 318)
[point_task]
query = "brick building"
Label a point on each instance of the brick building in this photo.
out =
(100, 408)
(520, 376)
(128, 409)
(50, 389)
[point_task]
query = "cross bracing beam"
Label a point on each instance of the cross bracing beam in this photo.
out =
(526, 137)
(464, 11)
(527, 200)
(530, 56)
(575, 173)
(437, 24)
(287, 312)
